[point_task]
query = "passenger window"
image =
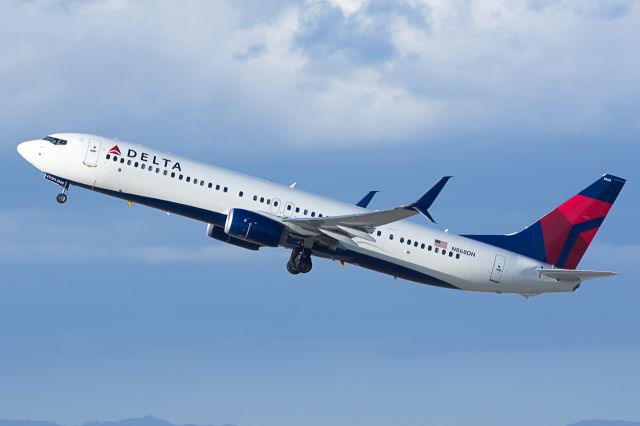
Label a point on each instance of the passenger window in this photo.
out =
(275, 203)
(415, 244)
(128, 162)
(437, 250)
(225, 189)
(255, 198)
(188, 179)
(313, 214)
(195, 181)
(173, 174)
(297, 209)
(422, 246)
(135, 164)
(457, 255)
(429, 248)
(402, 239)
(444, 252)
(108, 157)
(379, 233)
(210, 185)
(306, 212)
(450, 254)
(165, 173)
(201, 183)
(217, 187)
(408, 242)
(319, 214)
(391, 236)
(180, 177)
(268, 201)
(122, 161)
(262, 199)
(241, 193)
(289, 207)
(115, 158)
(143, 166)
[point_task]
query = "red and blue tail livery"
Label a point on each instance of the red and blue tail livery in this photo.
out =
(562, 236)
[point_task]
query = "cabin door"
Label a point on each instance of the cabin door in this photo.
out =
(93, 152)
(498, 268)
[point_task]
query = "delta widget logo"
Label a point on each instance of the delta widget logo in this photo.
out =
(115, 150)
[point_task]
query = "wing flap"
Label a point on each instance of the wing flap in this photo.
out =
(365, 221)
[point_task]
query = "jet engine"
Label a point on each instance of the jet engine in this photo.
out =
(217, 233)
(253, 227)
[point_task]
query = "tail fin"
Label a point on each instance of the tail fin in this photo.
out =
(562, 236)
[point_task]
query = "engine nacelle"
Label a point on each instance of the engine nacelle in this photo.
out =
(217, 233)
(253, 227)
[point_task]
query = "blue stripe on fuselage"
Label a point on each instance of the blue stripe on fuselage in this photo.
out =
(219, 219)
(191, 212)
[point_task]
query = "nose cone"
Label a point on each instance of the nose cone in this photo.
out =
(22, 150)
(28, 150)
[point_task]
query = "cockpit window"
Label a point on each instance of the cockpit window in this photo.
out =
(55, 141)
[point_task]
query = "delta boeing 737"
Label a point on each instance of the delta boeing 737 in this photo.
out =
(254, 213)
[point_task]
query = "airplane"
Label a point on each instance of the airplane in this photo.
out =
(254, 213)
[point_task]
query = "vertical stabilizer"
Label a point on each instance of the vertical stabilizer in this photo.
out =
(562, 236)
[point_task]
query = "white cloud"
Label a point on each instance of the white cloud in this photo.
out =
(339, 72)
(349, 7)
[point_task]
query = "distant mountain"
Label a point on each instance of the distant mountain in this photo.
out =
(143, 421)
(603, 423)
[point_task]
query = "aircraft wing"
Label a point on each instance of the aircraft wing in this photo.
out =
(366, 221)
(362, 224)
(573, 274)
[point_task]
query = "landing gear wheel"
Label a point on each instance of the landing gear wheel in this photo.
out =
(304, 264)
(292, 269)
(300, 261)
(62, 197)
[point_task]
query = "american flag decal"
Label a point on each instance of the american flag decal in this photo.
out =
(441, 244)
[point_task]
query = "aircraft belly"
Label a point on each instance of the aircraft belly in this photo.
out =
(385, 263)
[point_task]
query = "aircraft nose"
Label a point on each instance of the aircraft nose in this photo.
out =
(22, 149)
(27, 150)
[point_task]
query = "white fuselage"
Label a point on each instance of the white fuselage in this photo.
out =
(196, 189)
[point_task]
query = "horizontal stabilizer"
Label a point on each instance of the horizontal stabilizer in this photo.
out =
(573, 274)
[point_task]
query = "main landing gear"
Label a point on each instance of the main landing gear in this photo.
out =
(300, 261)
(62, 197)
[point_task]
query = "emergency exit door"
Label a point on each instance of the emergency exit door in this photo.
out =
(498, 268)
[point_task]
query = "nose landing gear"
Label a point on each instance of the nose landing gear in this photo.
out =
(300, 261)
(62, 197)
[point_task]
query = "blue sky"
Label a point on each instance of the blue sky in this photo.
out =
(109, 312)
